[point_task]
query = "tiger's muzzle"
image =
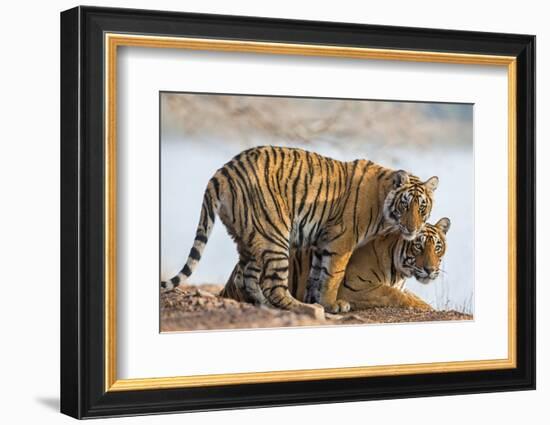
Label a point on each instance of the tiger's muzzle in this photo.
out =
(407, 234)
(426, 275)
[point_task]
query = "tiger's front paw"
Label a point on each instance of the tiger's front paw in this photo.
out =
(415, 302)
(340, 306)
(420, 305)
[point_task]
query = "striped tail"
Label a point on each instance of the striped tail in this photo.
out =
(209, 210)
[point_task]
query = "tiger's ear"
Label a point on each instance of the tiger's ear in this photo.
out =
(443, 224)
(400, 178)
(431, 183)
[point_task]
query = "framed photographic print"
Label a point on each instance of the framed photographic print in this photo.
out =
(261, 212)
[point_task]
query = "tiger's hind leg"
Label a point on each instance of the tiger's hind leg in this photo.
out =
(237, 289)
(274, 285)
(233, 288)
(250, 283)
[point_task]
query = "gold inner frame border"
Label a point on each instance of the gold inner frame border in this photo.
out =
(113, 40)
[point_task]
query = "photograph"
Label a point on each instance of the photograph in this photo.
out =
(303, 211)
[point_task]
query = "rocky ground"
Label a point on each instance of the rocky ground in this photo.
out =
(200, 308)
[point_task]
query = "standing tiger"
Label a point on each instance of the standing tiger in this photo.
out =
(272, 199)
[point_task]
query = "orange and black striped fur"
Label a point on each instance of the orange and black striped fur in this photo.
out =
(376, 273)
(272, 199)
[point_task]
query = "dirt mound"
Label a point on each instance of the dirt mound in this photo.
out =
(189, 308)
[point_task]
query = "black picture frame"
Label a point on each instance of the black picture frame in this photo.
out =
(83, 392)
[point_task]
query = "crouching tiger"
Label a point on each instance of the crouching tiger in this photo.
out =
(376, 273)
(272, 199)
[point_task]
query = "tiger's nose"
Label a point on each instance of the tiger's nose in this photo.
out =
(430, 269)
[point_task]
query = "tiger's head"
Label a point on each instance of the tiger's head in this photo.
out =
(409, 203)
(422, 256)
